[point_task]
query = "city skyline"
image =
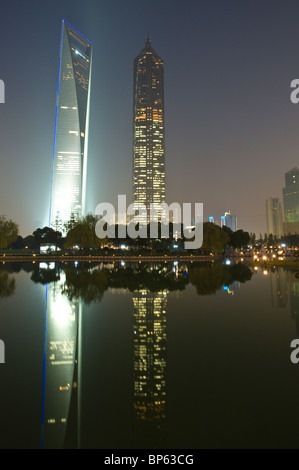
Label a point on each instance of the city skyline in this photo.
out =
(231, 130)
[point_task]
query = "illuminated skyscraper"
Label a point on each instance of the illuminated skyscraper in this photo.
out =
(291, 201)
(71, 126)
(148, 131)
(291, 195)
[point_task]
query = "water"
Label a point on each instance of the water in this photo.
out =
(164, 356)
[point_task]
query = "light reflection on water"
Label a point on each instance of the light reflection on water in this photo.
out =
(149, 356)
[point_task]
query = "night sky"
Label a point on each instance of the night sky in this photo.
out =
(231, 129)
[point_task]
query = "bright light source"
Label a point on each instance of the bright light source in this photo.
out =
(227, 262)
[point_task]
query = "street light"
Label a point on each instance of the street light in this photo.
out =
(284, 247)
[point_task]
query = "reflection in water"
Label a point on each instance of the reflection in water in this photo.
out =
(209, 278)
(7, 284)
(232, 288)
(279, 288)
(87, 285)
(285, 291)
(68, 288)
(294, 300)
(89, 281)
(61, 399)
(150, 340)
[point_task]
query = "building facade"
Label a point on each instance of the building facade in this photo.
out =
(291, 196)
(229, 220)
(274, 217)
(148, 131)
(68, 186)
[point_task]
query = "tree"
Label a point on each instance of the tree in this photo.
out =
(9, 231)
(83, 234)
(239, 239)
(214, 238)
(270, 239)
(252, 239)
(17, 244)
(71, 223)
(47, 235)
(58, 224)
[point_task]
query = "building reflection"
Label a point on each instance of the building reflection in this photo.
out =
(285, 292)
(61, 411)
(150, 345)
(232, 288)
(279, 288)
(294, 302)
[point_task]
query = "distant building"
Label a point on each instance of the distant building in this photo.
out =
(229, 220)
(274, 217)
(71, 126)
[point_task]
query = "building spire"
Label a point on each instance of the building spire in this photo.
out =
(148, 41)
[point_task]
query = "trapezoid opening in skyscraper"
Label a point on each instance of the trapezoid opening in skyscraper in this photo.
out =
(148, 131)
(68, 184)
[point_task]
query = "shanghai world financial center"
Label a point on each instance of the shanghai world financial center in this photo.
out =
(71, 127)
(68, 193)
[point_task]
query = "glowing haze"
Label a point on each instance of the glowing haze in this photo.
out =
(231, 128)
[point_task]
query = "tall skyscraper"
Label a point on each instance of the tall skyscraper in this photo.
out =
(291, 201)
(148, 131)
(291, 196)
(71, 126)
(274, 216)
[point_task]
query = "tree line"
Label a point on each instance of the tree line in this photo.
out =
(82, 235)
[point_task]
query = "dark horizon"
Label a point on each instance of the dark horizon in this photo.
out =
(231, 128)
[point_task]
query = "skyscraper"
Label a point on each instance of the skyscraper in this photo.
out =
(71, 126)
(229, 220)
(291, 195)
(274, 216)
(148, 130)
